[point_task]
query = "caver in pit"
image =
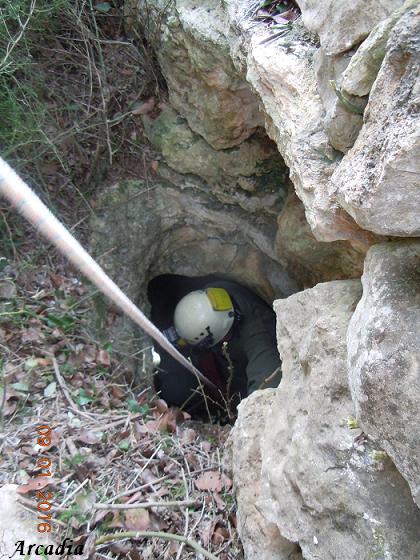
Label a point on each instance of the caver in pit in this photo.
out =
(228, 332)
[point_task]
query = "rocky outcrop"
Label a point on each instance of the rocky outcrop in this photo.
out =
(378, 180)
(341, 125)
(286, 84)
(261, 539)
(207, 51)
(384, 354)
(228, 75)
(252, 175)
(364, 66)
(203, 84)
(310, 260)
(324, 484)
(342, 25)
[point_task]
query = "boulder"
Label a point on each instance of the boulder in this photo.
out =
(286, 83)
(19, 524)
(251, 175)
(260, 538)
(384, 354)
(203, 83)
(377, 182)
(311, 260)
(342, 25)
(327, 487)
(364, 66)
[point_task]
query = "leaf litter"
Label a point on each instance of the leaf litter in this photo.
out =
(115, 445)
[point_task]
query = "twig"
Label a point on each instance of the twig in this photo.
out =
(138, 488)
(186, 514)
(146, 505)
(275, 373)
(66, 394)
(159, 535)
(9, 233)
(77, 489)
(31, 506)
(107, 427)
(16, 40)
(3, 397)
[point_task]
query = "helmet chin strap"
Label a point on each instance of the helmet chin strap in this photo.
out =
(34, 210)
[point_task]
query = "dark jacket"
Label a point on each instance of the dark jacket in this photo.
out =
(253, 345)
(250, 347)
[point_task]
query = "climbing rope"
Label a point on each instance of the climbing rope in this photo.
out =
(27, 203)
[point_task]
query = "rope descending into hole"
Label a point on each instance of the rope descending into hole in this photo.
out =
(27, 203)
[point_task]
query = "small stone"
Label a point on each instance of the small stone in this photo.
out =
(7, 289)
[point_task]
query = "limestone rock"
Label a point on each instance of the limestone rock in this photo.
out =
(227, 79)
(261, 539)
(342, 25)
(143, 229)
(327, 489)
(251, 175)
(18, 524)
(311, 260)
(377, 181)
(341, 125)
(204, 86)
(293, 111)
(384, 354)
(364, 66)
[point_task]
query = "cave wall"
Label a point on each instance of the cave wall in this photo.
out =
(282, 162)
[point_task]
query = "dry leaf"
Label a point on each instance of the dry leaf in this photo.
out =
(144, 108)
(137, 520)
(167, 422)
(206, 446)
(210, 480)
(220, 535)
(37, 483)
(148, 477)
(117, 521)
(89, 437)
(103, 357)
(160, 406)
(208, 530)
(89, 547)
(279, 19)
(219, 501)
(227, 482)
(32, 335)
(117, 392)
(188, 436)
(56, 279)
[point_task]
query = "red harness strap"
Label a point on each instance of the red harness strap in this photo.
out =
(209, 367)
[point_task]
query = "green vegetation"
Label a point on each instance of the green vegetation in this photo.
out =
(23, 111)
(69, 78)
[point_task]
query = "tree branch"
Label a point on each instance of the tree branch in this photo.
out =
(156, 534)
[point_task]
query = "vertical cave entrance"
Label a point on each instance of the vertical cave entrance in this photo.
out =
(237, 363)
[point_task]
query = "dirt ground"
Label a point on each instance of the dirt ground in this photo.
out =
(117, 460)
(111, 445)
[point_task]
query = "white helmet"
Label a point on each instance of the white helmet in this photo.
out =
(204, 316)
